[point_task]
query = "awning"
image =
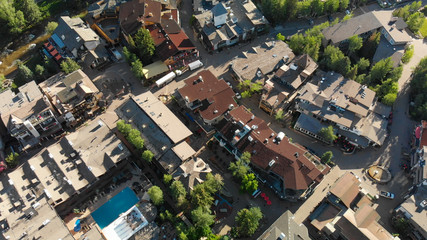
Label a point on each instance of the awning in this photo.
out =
(57, 40)
(154, 69)
(418, 132)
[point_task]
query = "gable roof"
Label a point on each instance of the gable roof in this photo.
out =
(285, 226)
(292, 162)
(136, 13)
(346, 188)
(192, 172)
(354, 26)
(74, 32)
(214, 94)
(219, 9)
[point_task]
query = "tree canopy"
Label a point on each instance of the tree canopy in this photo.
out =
(69, 66)
(147, 155)
(25, 73)
(201, 196)
(249, 183)
(144, 45)
(418, 107)
(354, 43)
(247, 221)
(202, 217)
(156, 195)
(327, 133)
(178, 192)
(326, 157)
(238, 168)
(51, 26)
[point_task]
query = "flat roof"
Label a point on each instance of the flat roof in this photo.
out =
(162, 116)
(184, 151)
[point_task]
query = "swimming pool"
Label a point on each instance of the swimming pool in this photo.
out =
(111, 210)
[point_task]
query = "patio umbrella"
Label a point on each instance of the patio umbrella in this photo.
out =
(262, 194)
(267, 198)
(268, 202)
(77, 226)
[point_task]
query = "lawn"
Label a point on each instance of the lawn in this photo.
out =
(423, 29)
(51, 7)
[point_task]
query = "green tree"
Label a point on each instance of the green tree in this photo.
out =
(134, 137)
(147, 155)
(352, 73)
(178, 192)
(156, 195)
(129, 56)
(24, 72)
(144, 44)
(246, 157)
(12, 159)
(343, 5)
(202, 217)
(317, 7)
(213, 183)
(335, 60)
(415, 21)
(363, 64)
(238, 168)
(291, 8)
(280, 37)
(354, 44)
(247, 221)
(246, 94)
(380, 70)
(40, 71)
(123, 127)
(167, 178)
(332, 6)
(389, 99)
(249, 183)
(409, 52)
(51, 26)
(296, 43)
(279, 115)
(31, 10)
(201, 196)
(418, 91)
(327, 157)
(137, 69)
(327, 133)
(69, 66)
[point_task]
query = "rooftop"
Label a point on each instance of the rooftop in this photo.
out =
(285, 228)
(184, 151)
(192, 172)
(68, 90)
(346, 188)
(292, 162)
(214, 96)
(73, 30)
(136, 13)
(414, 209)
(162, 116)
(255, 63)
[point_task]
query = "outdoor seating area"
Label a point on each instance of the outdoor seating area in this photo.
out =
(344, 144)
(266, 199)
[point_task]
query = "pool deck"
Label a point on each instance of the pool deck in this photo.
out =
(72, 218)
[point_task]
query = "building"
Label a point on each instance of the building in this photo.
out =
(288, 168)
(27, 116)
(192, 172)
(413, 209)
(78, 163)
(394, 33)
(102, 17)
(73, 38)
(255, 63)
(286, 80)
(138, 13)
(227, 23)
(347, 213)
(74, 96)
(210, 97)
(350, 107)
(162, 131)
(173, 46)
(419, 155)
(285, 228)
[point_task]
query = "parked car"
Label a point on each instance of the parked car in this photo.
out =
(388, 195)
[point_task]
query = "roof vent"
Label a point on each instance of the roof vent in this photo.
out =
(215, 111)
(266, 140)
(271, 163)
(250, 139)
(282, 236)
(150, 14)
(201, 78)
(231, 106)
(254, 127)
(423, 203)
(296, 154)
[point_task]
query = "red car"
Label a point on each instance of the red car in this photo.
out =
(2, 166)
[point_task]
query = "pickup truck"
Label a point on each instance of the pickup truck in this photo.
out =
(388, 195)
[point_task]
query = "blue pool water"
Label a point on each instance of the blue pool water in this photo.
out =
(111, 210)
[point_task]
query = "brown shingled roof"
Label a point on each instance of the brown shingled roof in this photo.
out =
(346, 188)
(216, 94)
(134, 14)
(291, 161)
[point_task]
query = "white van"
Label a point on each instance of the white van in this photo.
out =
(194, 65)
